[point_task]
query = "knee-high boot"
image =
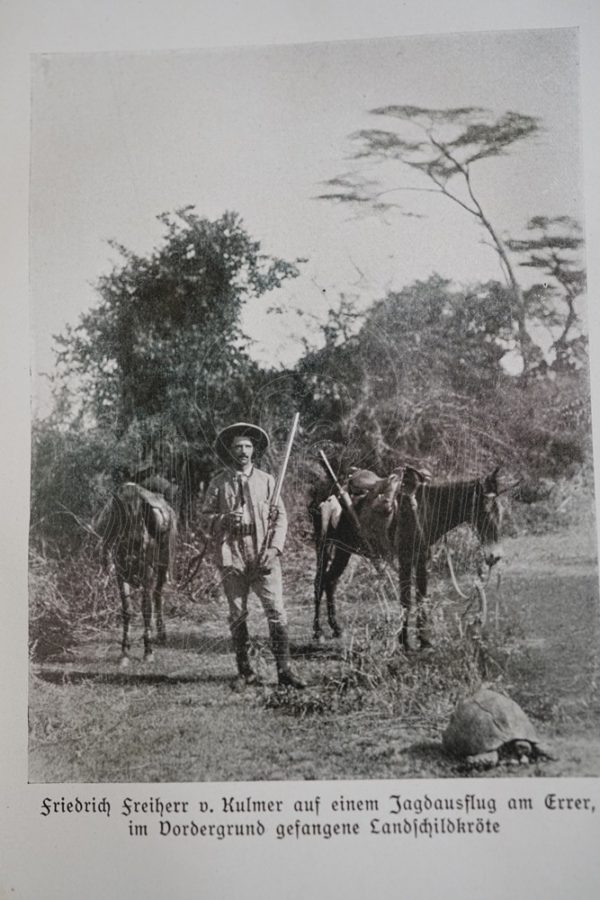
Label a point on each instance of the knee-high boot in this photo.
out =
(281, 650)
(241, 643)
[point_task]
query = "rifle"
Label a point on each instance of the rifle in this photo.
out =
(348, 506)
(273, 512)
(342, 493)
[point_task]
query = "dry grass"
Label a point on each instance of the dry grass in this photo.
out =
(372, 672)
(370, 710)
(50, 627)
(68, 598)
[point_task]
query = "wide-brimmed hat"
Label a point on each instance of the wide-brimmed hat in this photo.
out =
(259, 438)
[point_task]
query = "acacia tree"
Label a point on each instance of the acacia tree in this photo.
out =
(553, 245)
(443, 145)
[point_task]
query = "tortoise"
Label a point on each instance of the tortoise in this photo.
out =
(488, 728)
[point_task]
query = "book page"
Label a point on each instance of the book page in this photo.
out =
(379, 221)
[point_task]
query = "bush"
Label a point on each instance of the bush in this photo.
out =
(70, 481)
(66, 599)
(550, 505)
(50, 623)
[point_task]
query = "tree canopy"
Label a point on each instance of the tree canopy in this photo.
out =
(164, 321)
(401, 379)
(553, 245)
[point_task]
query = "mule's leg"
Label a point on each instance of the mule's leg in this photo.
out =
(125, 593)
(424, 634)
(161, 631)
(405, 574)
(319, 588)
(334, 572)
(147, 616)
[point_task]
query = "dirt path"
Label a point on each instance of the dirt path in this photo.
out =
(551, 589)
(178, 720)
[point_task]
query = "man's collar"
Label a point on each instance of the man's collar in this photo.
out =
(247, 474)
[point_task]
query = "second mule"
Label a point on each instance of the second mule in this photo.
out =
(138, 529)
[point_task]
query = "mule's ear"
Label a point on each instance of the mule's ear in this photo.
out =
(411, 479)
(420, 475)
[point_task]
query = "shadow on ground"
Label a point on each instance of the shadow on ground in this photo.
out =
(123, 677)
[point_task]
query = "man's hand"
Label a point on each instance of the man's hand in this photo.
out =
(267, 558)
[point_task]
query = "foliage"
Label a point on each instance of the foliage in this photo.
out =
(420, 376)
(50, 625)
(553, 245)
(70, 479)
(158, 365)
(166, 334)
(552, 504)
(69, 598)
(374, 673)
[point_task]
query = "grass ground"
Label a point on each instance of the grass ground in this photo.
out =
(370, 711)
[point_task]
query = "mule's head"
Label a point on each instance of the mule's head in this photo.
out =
(405, 479)
(488, 517)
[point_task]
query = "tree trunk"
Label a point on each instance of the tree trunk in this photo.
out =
(523, 336)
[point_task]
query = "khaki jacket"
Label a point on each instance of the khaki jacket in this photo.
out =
(222, 497)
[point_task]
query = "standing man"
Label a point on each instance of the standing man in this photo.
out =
(236, 514)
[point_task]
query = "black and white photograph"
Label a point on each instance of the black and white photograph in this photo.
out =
(300, 443)
(312, 489)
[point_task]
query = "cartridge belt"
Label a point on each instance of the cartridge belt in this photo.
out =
(243, 530)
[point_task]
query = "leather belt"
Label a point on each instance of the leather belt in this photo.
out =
(243, 530)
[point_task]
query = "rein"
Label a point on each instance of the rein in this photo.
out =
(193, 567)
(479, 587)
(480, 581)
(451, 570)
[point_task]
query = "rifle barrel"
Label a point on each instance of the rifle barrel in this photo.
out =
(286, 459)
(344, 496)
(279, 484)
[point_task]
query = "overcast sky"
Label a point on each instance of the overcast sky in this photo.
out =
(119, 138)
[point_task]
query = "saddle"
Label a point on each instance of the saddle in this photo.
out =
(376, 500)
(382, 492)
(157, 484)
(161, 516)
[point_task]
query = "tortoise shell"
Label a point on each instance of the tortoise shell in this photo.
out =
(484, 722)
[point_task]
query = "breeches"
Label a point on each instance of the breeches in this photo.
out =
(267, 587)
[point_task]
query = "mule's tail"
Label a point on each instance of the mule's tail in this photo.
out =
(172, 542)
